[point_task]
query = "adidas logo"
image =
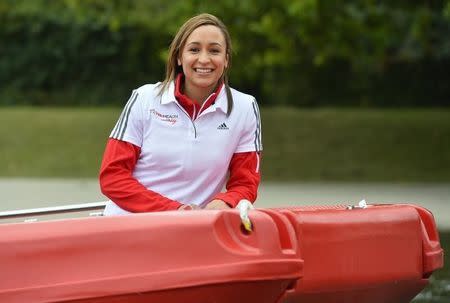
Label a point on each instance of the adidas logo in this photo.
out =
(222, 126)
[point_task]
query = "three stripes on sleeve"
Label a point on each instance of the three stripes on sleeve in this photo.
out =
(121, 125)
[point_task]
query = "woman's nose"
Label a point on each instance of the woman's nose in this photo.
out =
(203, 57)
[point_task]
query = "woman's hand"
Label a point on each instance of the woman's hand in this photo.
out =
(217, 204)
(188, 207)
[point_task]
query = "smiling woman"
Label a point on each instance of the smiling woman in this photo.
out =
(203, 60)
(179, 142)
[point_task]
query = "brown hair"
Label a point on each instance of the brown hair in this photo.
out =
(172, 67)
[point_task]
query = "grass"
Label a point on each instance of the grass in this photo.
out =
(54, 142)
(357, 145)
(367, 145)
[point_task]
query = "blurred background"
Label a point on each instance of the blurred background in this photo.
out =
(298, 53)
(354, 96)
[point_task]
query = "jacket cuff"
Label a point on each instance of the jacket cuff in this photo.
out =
(228, 199)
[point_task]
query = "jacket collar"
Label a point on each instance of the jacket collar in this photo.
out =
(221, 103)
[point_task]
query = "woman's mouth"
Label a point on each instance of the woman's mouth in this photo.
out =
(203, 70)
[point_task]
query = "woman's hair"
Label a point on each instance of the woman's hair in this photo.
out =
(178, 43)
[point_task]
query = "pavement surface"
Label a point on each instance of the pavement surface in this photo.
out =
(22, 193)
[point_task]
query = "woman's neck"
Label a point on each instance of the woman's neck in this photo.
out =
(197, 94)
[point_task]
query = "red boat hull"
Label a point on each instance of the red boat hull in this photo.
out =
(383, 253)
(177, 256)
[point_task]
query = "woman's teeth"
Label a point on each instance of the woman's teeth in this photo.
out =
(203, 70)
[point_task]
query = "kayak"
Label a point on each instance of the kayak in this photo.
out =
(383, 253)
(379, 253)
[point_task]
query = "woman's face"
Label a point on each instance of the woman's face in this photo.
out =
(203, 59)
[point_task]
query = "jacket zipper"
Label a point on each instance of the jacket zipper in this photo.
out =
(190, 119)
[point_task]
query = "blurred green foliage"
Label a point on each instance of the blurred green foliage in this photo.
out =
(296, 52)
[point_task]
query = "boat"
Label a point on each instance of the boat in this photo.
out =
(371, 253)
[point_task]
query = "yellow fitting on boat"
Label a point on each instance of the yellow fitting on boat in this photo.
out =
(247, 225)
(244, 206)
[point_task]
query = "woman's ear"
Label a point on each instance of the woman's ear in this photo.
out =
(226, 61)
(179, 62)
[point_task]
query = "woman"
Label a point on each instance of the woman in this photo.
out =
(178, 142)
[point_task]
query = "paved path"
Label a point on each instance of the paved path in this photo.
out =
(32, 193)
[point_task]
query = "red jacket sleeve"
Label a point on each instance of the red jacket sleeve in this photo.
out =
(244, 178)
(118, 184)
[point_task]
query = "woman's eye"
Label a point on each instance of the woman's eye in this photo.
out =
(215, 51)
(194, 50)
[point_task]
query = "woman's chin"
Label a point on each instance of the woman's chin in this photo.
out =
(205, 84)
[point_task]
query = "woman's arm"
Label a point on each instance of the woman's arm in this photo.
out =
(118, 184)
(243, 181)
